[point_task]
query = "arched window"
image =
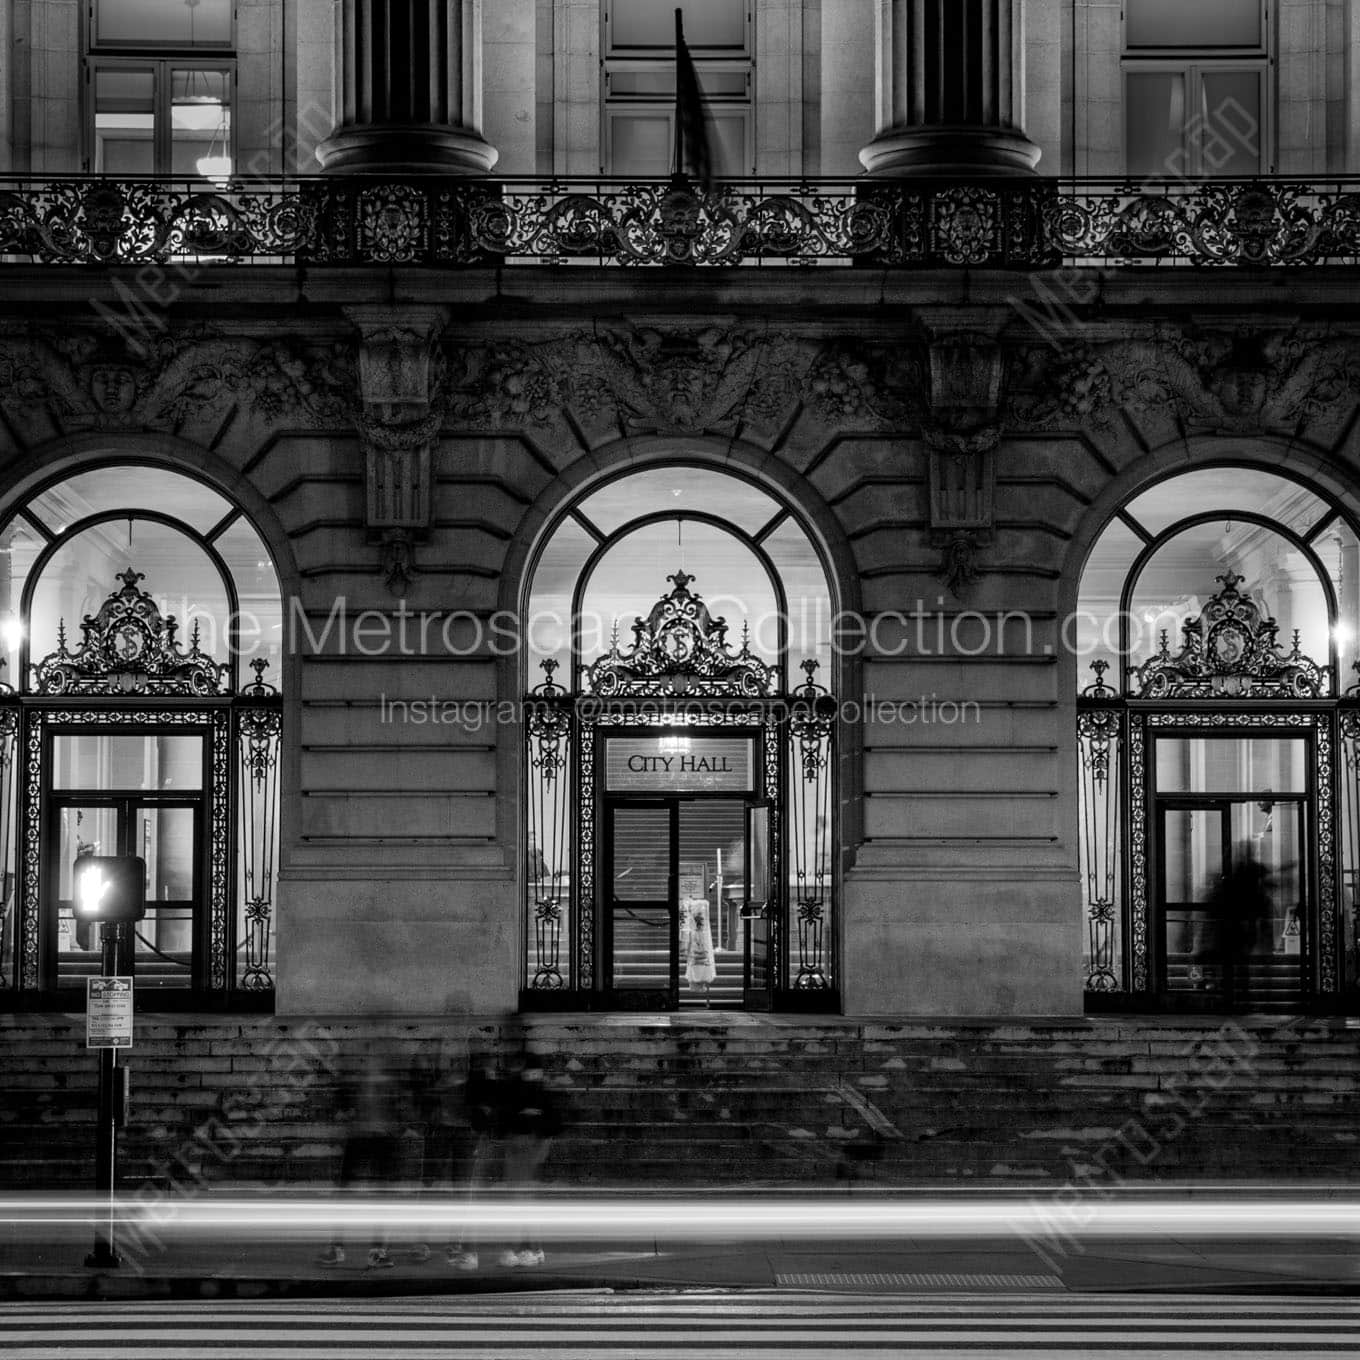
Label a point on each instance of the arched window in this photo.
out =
(679, 749)
(1217, 624)
(149, 603)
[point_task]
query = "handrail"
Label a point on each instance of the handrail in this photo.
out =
(445, 222)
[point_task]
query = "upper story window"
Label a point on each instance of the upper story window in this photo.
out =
(1195, 87)
(160, 78)
(639, 83)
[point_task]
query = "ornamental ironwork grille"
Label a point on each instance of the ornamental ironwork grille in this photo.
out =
(129, 674)
(437, 222)
(679, 670)
(1229, 675)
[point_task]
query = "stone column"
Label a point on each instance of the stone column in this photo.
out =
(950, 90)
(412, 84)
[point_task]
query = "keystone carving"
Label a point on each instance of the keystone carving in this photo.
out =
(961, 433)
(641, 379)
(398, 425)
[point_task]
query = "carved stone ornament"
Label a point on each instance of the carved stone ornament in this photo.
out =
(680, 649)
(129, 647)
(961, 436)
(1230, 649)
(84, 378)
(641, 380)
(398, 425)
(1236, 381)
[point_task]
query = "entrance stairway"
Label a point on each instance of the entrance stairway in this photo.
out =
(714, 1098)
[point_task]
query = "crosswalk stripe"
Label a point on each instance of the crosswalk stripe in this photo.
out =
(714, 1325)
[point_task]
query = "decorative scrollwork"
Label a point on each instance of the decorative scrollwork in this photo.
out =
(129, 647)
(1229, 650)
(680, 648)
(1256, 222)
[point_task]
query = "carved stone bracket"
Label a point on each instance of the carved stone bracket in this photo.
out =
(398, 425)
(961, 434)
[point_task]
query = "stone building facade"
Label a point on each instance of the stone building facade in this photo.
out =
(390, 403)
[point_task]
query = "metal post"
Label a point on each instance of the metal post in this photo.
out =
(106, 1121)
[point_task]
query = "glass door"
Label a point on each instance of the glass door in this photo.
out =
(1232, 902)
(127, 793)
(642, 925)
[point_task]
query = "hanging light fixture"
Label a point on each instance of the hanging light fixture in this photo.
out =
(215, 163)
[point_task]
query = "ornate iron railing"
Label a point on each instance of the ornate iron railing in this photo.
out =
(443, 222)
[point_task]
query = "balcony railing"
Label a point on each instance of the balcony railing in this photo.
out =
(445, 222)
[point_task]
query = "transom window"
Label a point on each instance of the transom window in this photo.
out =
(609, 559)
(1195, 88)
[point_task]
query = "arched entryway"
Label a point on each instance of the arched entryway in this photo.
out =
(143, 627)
(681, 811)
(1217, 737)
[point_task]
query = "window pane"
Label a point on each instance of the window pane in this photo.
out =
(642, 855)
(1230, 135)
(1231, 765)
(1193, 850)
(651, 23)
(126, 760)
(1154, 123)
(129, 488)
(20, 544)
(694, 490)
(807, 599)
(200, 123)
(548, 627)
(83, 572)
(1095, 632)
(1182, 575)
(631, 577)
(124, 122)
(176, 23)
(259, 630)
(640, 143)
(164, 838)
(1199, 23)
(1226, 490)
(1339, 550)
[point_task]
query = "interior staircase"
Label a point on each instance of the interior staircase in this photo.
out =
(713, 1098)
(1261, 983)
(642, 960)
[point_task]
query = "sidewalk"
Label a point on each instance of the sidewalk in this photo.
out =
(47, 1260)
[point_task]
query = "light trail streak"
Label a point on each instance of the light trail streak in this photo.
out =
(706, 1218)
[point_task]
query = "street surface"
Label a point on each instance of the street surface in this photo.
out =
(714, 1325)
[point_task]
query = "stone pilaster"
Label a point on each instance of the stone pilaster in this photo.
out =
(412, 80)
(950, 90)
(398, 425)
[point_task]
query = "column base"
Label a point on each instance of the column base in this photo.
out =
(394, 148)
(945, 150)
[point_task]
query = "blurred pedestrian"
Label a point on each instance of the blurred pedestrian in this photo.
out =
(533, 1118)
(1241, 907)
(369, 1110)
(483, 1101)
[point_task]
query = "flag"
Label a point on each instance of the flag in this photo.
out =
(693, 154)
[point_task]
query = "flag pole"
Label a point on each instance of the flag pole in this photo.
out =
(679, 115)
